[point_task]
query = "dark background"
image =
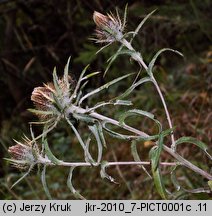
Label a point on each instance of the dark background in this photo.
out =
(37, 35)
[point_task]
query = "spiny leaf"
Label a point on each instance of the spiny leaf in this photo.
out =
(43, 180)
(71, 187)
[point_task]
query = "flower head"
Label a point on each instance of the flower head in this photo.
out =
(109, 28)
(50, 100)
(24, 154)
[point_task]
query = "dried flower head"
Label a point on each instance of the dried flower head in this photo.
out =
(24, 154)
(109, 28)
(51, 100)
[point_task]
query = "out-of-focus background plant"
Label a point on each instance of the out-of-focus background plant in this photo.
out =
(35, 36)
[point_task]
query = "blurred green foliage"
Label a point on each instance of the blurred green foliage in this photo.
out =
(37, 35)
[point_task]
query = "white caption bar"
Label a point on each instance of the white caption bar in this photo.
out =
(105, 207)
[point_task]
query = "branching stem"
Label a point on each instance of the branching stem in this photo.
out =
(137, 57)
(179, 158)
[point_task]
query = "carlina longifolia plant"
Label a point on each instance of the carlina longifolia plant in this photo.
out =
(64, 99)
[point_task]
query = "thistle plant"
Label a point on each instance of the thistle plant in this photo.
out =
(64, 99)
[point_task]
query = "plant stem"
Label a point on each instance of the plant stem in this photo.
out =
(75, 164)
(137, 57)
(166, 111)
(182, 160)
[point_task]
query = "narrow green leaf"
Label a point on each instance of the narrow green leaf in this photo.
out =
(57, 104)
(194, 141)
(111, 102)
(152, 63)
(13, 161)
(141, 24)
(26, 174)
(66, 71)
(125, 16)
(210, 184)
(157, 174)
(56, 82)
(132, 87)
(123, 136)
(43, 180)
(103, 173)
(158, 151)
(41, 122)
(136, 156)
(83, 117)
(90, 75)
(88, 157)
(94, 130)
(122, 52)
(74, 95)
(101, 134)
(49, 154)
(134, 112)
(40, 112)
(98, 105)
(103, 48)
(105, 86)
(71, 187)
(139, 112)
(115, 134)
(79, 94)
(174, 178)
(113, 59)
(154, 137)
(123, 102)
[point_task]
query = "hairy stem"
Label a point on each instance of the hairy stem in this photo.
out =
(180, 159)
(137, 57)
(78, 164)
(166, 111)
